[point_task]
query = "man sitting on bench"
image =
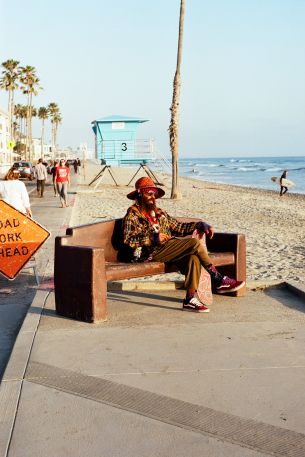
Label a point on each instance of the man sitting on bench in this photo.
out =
(153, 235)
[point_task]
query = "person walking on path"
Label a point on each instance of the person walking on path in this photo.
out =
(41, 175)
(62, 181)
(15, 193)
(284, 189)
(53, 173)
(76, 165)
(153, 235)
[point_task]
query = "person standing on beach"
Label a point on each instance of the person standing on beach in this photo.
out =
(153, 235)
(283, 188)
(41, 174)
(15, 193)
(62, 181)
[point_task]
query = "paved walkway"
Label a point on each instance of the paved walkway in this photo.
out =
(153, 380)
(16, 296)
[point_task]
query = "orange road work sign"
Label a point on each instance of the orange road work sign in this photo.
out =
(20, 238)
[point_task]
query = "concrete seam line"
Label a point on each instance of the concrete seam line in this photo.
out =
(242, 431)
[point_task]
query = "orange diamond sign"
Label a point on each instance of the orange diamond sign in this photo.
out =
(20, 238)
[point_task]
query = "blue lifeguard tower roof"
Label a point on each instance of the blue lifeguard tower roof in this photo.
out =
(119, 118)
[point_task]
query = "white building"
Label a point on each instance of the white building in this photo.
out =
(83, 152)
(45, 154)
(6, 155)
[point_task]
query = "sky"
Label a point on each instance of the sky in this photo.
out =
(242, 72)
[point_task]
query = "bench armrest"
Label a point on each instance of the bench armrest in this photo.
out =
(79, 274)
(232, 242)
(223, 242)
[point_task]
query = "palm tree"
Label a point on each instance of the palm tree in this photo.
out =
(174, 123)
(30, 87)
(9, 82)
(23, 115)
(53, 111)
(20, 112)
(43, 114)
(18, 118)
(56, 120)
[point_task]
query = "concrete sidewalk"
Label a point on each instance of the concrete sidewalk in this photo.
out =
(17, 296)
(156, 381)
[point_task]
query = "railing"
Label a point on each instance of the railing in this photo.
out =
(133, 150)
(124, 149)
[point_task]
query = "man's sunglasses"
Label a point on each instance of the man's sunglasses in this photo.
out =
(150, 192)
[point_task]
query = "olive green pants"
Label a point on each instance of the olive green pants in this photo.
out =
(188, 254)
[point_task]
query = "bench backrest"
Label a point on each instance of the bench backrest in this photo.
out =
(104, 234)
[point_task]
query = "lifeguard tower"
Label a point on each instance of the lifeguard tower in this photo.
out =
(116, 143)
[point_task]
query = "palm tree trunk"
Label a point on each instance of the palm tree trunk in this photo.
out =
(42, 137)
(55, 135)
(30, 127)
(12, 117)
(23, 129)
(20, 128)
(52, 140)
(174, 123)
(9, 111)
(27, 126)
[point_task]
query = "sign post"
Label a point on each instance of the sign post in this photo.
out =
(20, 239)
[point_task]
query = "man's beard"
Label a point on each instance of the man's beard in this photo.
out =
(149, 207)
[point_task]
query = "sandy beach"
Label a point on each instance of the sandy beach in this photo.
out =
(274, 226)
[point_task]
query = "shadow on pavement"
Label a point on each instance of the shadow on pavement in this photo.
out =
(285, 297)
(15, 298)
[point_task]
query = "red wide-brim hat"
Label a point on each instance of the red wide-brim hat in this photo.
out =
(145, 183)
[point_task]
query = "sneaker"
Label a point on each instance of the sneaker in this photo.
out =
(229, 285)
(194, 305)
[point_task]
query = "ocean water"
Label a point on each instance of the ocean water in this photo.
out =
(246, 171)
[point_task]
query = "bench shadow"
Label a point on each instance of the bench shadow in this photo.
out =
(123, 297)
(119, 297)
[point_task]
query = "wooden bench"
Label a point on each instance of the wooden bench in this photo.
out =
(91, 255)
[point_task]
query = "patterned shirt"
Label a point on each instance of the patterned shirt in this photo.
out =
(139, 232)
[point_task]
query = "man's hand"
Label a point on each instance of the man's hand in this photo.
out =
(28, 212)
(164, 238)
(205, 228)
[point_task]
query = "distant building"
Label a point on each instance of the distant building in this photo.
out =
(116, 142)
(46, 153)
(4, 131)
(84, 153)
(6, 154)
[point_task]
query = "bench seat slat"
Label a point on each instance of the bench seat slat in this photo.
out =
(121, 270)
